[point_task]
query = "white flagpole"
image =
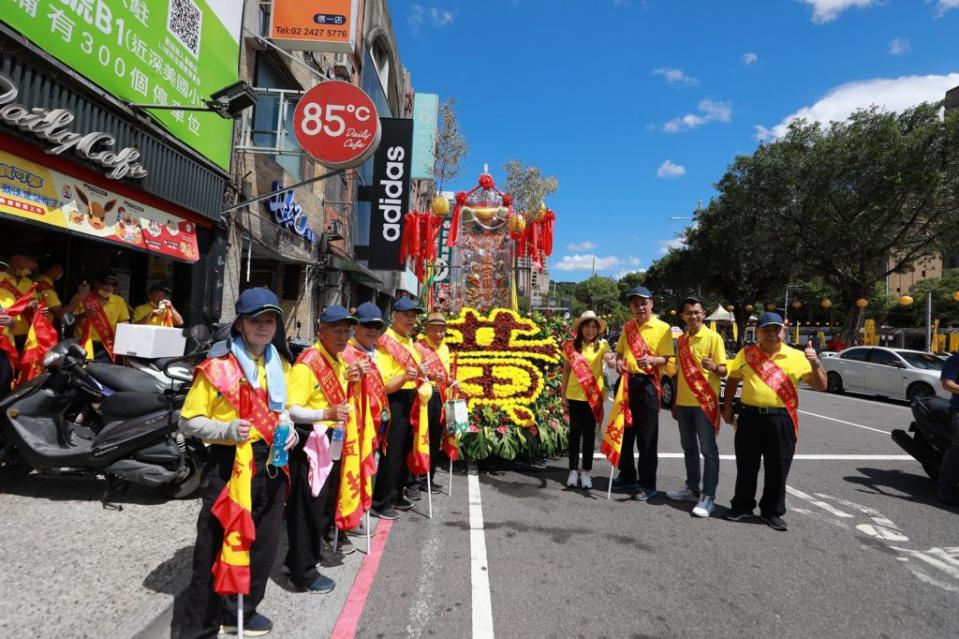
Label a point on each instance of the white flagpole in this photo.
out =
(450, 490)
(429, 494)
(336, 537)
(609, 491)
(369, 543)
(239, 615)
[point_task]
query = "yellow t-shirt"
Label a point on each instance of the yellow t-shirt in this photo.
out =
(658, 337)
(755, 391)
(116, 310)
(204, 399)
(7, 298)
(594, 355)
(302, 387)
(49, 295)
(705, 343)
(389, 367)
(144, 310)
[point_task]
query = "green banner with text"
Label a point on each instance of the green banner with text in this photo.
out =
(172, 52)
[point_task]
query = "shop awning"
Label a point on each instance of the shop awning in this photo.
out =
(357, 271)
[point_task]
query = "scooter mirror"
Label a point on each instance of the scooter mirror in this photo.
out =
(68, 319)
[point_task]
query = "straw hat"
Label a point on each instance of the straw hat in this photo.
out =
(586, 316)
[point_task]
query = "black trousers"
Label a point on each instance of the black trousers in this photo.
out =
(770, 438)
(644, 406)
(6, 374)
(205, 610)
(308, 518)
(100, 353)
(949, 472)
(582, 425)
(391, 475)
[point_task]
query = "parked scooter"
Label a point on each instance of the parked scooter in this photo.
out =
(138, 440)
(929, 435)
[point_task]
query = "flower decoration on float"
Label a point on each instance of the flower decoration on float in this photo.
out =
(501, 361)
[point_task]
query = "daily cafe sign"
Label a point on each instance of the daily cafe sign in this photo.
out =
(50, 125)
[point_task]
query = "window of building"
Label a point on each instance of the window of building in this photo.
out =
(266, 116)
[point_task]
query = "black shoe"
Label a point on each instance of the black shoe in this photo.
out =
(775, 522)
(413, 492)
(403, 504)
(255, 626)
(343, 545)
(386, 513)
(738, 515)
(435, 488)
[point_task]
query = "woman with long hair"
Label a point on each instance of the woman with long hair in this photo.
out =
(583, 392)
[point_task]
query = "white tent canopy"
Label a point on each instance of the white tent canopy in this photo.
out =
(721, 315)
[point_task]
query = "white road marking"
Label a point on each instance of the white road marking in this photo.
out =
(829, 508)
(809, 457)
(881, 528)
(843, 421)
(940, 558)
(479, 567)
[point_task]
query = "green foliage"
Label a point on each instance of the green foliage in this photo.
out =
(528, 186)
(601, 294)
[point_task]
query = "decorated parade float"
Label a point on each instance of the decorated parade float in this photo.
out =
(507, 363)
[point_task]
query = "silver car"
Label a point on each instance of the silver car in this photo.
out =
(888, 372)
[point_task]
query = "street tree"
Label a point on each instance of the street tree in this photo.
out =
(451, 146)
(597, 293)
(528, 186)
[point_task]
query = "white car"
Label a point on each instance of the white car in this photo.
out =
(887, 372)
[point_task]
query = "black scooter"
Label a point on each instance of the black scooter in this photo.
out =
(929, 435)
(138, 441)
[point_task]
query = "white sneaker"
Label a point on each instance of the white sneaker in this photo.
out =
(683, 494)
(585, 480)
(704, 508)
(573, 480)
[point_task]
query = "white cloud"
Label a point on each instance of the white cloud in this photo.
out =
(665, 246)
(621, 274)
(899, 46)
(750, 58)
(676, 76)
(669, 170)
(946, 5)
(419, 15)
(583, 246)
(709, 111)
(588, 261)
(829, 10)
(892, 94)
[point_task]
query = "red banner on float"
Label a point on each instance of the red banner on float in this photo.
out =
(34, 192)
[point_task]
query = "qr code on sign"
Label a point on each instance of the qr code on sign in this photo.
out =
(185, 23)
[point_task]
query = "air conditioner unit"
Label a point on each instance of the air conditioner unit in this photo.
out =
(343, 65)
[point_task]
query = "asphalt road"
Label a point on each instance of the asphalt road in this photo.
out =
(869, 553)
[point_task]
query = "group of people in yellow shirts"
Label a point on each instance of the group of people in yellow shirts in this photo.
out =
(31, 278)
(365, 399)
(767, 424)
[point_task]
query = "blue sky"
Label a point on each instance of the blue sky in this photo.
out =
(638, 106)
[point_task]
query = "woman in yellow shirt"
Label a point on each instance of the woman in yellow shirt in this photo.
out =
(583, 386)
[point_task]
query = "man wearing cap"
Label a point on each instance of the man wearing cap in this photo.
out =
(158, 309)
(101, 310)
(702, 363)
(768, 424)
(401, 367)
(362, 352)
(319, 396)
(436, 359)
(642, 351)
(234, 404)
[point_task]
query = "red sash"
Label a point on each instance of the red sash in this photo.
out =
(324, 374)
(374, 386)
(640, 349)
(697, 382)
(251, 404)
(775, 378)
(397, 351)
(14, 310)
(586, 379)
(11, 287)
(96, 317)
(432, 360)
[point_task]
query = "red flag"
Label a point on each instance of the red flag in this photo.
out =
(41, 338)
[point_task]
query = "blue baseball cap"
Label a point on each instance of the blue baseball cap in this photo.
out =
(336, 313)
(639, 291)
(407, 304)
(255, 301)
(770, 319)
(369, 313)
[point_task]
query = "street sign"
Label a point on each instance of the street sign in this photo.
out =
(336, 124)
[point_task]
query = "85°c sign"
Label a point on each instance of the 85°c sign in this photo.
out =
(337, 125)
